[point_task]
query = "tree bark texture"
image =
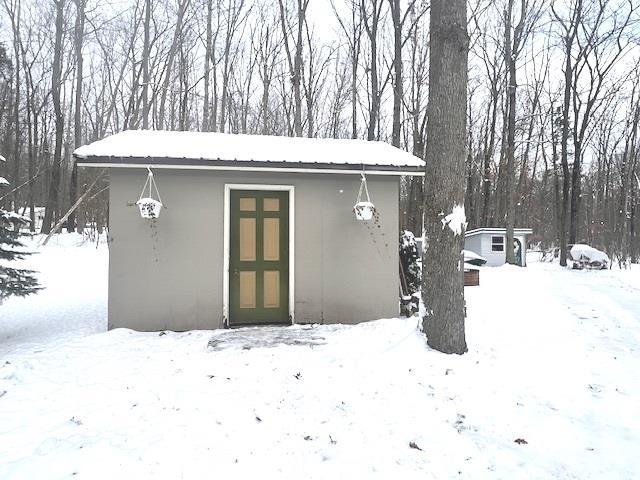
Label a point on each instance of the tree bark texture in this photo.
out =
(442, 289)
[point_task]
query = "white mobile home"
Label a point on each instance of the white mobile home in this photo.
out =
(490, 243)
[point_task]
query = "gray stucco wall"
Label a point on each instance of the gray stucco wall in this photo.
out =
(346, 271)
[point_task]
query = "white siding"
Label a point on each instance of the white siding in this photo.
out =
(481, 244)
(494, 259)
(473, 244)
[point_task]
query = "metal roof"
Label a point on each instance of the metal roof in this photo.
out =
(498, 230)
(223, 151)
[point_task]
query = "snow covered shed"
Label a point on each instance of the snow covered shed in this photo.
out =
(253, 230)
(490, 243)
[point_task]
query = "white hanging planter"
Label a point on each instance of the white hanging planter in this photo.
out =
(364, 209)
(149, 207)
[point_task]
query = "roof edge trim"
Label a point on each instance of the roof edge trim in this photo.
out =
(372, 170)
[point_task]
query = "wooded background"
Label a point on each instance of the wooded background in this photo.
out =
(553, 97)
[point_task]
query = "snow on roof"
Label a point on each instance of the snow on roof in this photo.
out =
(498, 230)
(204, 148)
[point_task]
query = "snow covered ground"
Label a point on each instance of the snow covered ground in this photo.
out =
(73, 271)
(549, 388)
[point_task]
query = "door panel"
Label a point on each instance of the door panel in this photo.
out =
(259, 257)
(271, 239)
(248, 204)
(271, 289)
(247, 289)
(247, 239)
(271, 204)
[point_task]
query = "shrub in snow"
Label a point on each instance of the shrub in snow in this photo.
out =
(13, 281)
(410, 263)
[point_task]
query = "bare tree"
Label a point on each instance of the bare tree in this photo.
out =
(267, 49)
(77, 116)
(13, 9)
(569, 32)
(371, 12)
(56, 86)
(514, 44)
(399, 20)
(173, 50)
(295, 59)
(236, 17)
(353, 34)
(208, 55)
(235, 65)
(600, 45)
(146, 53)
(493, 69)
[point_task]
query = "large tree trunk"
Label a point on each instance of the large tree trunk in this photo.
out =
(295, 60)
(564, 157)
(488, 153)
(355, 57)
(556, 177)
(145, 65)
(296, 78)
(570, 32)
(207, 68)
(375, 89)
(266, 68)
(54, 185)
(374, 84)
(510, 60)
(77, 118)
(397, 67)
(32, 142)
(442, 287)
(177, 35)
(576, 195)
(225, 87)
(14, 11)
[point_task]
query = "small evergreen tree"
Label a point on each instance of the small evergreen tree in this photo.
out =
(409, 257)
(13, 281)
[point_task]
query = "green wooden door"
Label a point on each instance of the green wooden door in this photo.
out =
(517, 251)
(259, 258)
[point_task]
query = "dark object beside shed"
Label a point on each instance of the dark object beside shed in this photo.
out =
(471, 278)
